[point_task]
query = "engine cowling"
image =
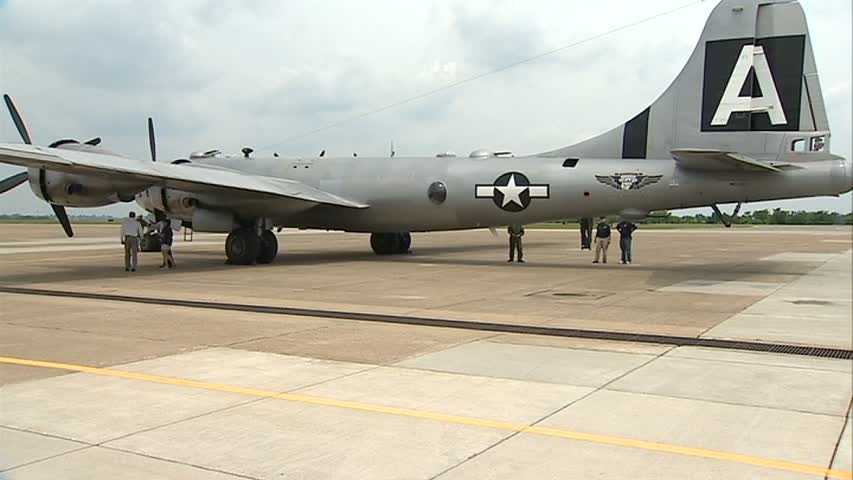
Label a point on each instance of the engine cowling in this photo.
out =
(73, 190)
(175, 203)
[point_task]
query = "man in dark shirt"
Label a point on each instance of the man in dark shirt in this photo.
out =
(625, 228)
(586, 233)
(602, 239)
(164, 227)
(515, 233)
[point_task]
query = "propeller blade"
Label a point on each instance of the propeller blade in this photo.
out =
(94, 142)
(62, 216)
(13, 181)
(17, 120)
(151, 143)
(493, 232)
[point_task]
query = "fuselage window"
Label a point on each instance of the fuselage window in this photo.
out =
(798, 145)
(437, 192)
(818, 143)
(570, 162)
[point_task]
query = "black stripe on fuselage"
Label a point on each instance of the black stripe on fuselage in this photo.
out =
(636, 135)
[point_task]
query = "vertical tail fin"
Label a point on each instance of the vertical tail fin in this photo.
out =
(750, 86)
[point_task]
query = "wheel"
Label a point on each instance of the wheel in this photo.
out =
(405, 242)
(149, 243)
(379, 243)
(242, 246)
(384, 243)
(390, 243)
(269, 247)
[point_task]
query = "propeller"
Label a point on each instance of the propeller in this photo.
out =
(17, 179)
(62, 216)
(13, 181)
(70, 141)
(17, 120)
(152, 145)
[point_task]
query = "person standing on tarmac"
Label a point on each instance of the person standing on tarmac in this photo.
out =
(164, 228)
(626, 229)
(515, 233)
(131, 231)
(602, 240)
(586, 233)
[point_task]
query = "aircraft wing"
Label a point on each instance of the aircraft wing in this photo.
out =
(187, 177)
(701, 159)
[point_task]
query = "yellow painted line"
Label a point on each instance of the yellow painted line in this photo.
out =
(458, 420)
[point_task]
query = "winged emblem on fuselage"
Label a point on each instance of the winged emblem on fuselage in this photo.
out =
(628, 181)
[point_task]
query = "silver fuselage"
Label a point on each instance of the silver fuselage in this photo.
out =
(396, 189)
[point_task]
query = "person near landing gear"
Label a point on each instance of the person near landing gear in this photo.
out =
(626, 229)
(131, 231)
(515, 233)
(602, 240)
(164, 228)
(586, 233)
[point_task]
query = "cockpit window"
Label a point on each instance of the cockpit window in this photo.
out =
(570, 162)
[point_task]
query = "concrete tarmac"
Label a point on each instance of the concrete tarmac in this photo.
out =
(96, 388)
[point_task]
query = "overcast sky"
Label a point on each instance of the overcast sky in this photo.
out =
(226, 74)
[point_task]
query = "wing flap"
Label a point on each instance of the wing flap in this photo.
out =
(701, 159)
(188, 177)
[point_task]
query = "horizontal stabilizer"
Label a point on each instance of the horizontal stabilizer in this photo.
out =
(701, 159)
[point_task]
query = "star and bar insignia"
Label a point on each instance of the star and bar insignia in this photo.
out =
(512, 191)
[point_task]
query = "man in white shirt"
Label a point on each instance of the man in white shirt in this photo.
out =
(131, 232)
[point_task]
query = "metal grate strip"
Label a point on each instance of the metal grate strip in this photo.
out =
(789, 349)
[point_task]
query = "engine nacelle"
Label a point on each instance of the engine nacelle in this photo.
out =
(73, 190)
(174, 203)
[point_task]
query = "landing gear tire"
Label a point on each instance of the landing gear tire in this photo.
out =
(405, 242)
(243, 246)
(269, 247)
(390, 243)
(149, 243)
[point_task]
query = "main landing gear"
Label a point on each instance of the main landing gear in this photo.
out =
(244, 247)
(390, 243)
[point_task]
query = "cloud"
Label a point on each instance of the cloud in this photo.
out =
(227, 74)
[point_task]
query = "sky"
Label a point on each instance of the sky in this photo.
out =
(227, 74)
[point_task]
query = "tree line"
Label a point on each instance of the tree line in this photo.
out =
(777, 216)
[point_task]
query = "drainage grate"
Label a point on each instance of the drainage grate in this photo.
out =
(806, 350)
(819, 303)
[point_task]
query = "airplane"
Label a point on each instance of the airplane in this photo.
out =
(744, 121)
